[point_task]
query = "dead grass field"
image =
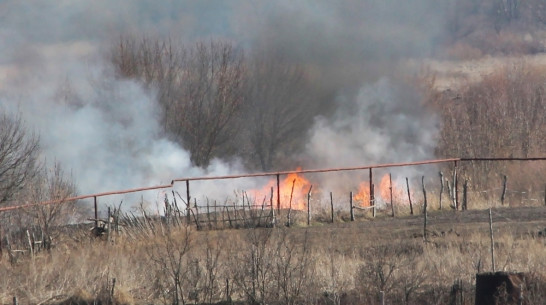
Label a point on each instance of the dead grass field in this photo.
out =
(340, 263)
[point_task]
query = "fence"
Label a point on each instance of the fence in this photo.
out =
(237, 214)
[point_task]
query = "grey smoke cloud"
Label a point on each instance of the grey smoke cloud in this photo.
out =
(106, 131)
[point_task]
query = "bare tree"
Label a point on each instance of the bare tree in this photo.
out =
(278, 108)
(18, 153)
(50, 185)
(200, 89)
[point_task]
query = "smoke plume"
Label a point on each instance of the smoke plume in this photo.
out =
(106, 131)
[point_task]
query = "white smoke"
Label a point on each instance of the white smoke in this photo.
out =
(384, 123)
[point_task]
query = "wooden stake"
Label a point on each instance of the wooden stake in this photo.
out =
(290, 202)
(372, 198)
(96, 212)
(503, 189)
(390, 190)
(278, 193)
(208, 216)
(273, 219)
(424, 209)
(441, 188)
(108, 229)
(188, 203)
(30, 247)
(409, 197)
(465, 195)
(332, 206)
(455, 187)
(352, 213)
(371, 188)
(492, 241)
(309, 205)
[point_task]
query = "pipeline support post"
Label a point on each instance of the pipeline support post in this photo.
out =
(96, 212)
(371, 188)
(455, 185)
(188, 198)
(278, 193)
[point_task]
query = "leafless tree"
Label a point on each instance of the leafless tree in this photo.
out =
(200, 88)
(18, 153)
(50, 185)
(278, 109)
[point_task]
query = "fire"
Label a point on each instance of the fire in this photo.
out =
(293, 191)
(383, 191)
(363, 194)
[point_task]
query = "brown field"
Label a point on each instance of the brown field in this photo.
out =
(340, 263)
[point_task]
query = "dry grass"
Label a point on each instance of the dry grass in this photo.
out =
(341, 263)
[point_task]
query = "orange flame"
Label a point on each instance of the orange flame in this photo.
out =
(363, 194)
(383, 190)
(293, 191)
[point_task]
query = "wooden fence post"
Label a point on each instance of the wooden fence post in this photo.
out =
(290, 203)
(465, 195)
(455, 187)
(390, 190)
(503, 189)
(441, 188)
(278, 193)
(372, 198)
(188, 203)
(332, 206)
(424, 209)
(351, 211)
(492, 241)
(371, 188)
(96, 212)
(308, 207)
(409, 197)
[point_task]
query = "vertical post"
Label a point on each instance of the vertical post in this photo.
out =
(215, 216)
(503, 189)
(390, 190)
(424, 209)
(109, 231)
(409, 197)
(188, 203)
(465, 195)
(30, 246)
(382, 297)
(544, 195)
(371, 188)
(96, 212)
(309, 206)
(14, 300)
(372, 198)
(332, 206)
(352, 213)
(492, 241)
(273, 220)
(278, 193)
(441, 188)
(290, 203)
(197, 223)
(455, 186)
(208, 216)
